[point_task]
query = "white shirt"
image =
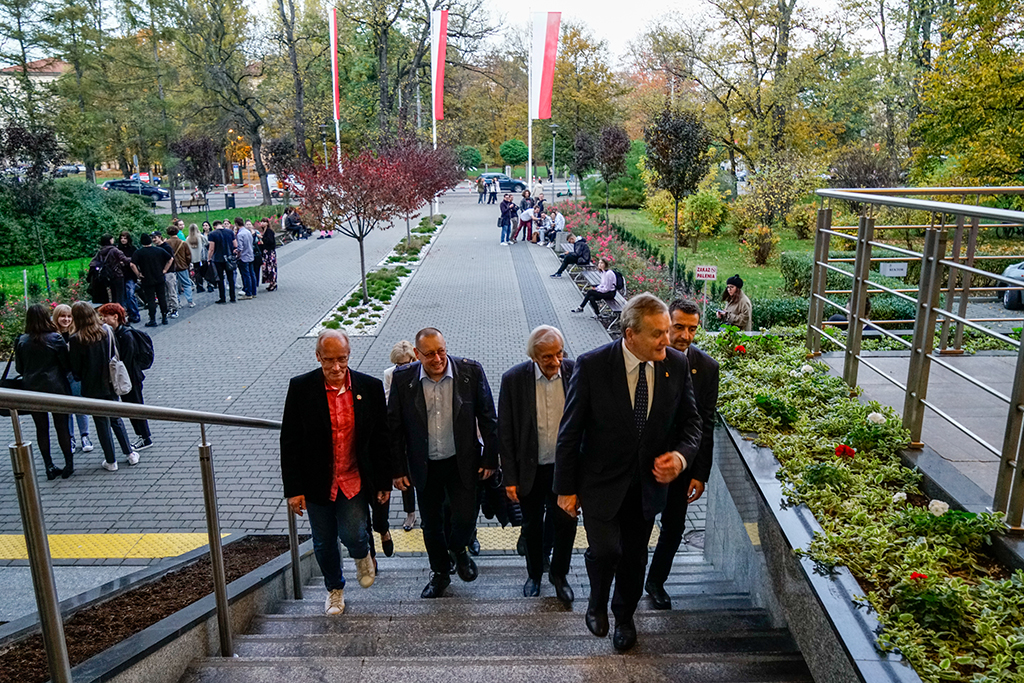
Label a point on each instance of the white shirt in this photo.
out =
(550, 405)
(526, 215)
(633, 375)
(559, 221)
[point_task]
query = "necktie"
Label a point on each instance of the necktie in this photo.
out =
(640, 399)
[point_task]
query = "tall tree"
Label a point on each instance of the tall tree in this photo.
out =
(289, 40)
(612, 148)
(21, 28)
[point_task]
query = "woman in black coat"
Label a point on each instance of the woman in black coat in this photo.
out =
(90, 351)
(115, 317)
(41, 357)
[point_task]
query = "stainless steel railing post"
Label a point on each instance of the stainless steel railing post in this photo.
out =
(1009, 495)
(38, 546)
(293, 547)
(220, 587)
(819, 278)
(858, 296)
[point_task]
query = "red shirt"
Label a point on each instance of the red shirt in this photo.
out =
(346, 469)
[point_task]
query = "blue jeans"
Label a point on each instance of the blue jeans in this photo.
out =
(345, 520)
(506, 231)
(186, 284)
(248, 281)
(130, 302)
(83, 420)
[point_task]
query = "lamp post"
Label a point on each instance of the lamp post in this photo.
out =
(554, 134)
(323, 138)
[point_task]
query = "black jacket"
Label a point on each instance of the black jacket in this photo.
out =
(582, 250)
(126, 348)
(508, 210)
(517, 423)
(704, 373)
(599, 449)
(43, 363)
(90, 364)
(307, 448)
(472, 409)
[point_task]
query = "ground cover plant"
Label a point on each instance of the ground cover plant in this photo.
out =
(943, 603)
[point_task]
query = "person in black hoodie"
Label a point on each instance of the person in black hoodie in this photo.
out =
(91, 348)
(580, 254)
(41, 357)
(115, 317)
(107, 272)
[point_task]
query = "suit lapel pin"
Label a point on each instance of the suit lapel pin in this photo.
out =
(666, 374)
(359, 397)
(694, 371)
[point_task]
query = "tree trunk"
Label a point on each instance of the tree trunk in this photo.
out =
(408, 233)
(675, 249)
(382, 73)
(607, 199)
(362, 270)
(261, 169)
(299, 122)
(42, 254)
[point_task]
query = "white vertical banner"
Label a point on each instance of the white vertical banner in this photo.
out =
(438, 51)
(542, 62)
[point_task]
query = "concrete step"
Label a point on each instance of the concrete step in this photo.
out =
(556, 623)
(536, 645)
(414, 566)
(702, 668)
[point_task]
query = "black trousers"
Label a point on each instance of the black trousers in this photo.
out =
(593, 296)
(533, 505)
(61, 425)
(673, 522)
(222, 270)
(140, 427)
(569, 259)
(618, 550)
(445, 485)
(152, 294)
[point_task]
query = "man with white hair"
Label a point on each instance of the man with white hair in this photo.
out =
(530, 408)
(334, 460)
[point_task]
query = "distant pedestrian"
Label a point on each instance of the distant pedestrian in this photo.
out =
(738, 310)
(243, 245)
(170, 279)
(131, 281)
(152, 263)
(106, 272)
(91, 348)
(481, 190)
(182, 254)
(495, 186)
(198, 246)
(508, 210)
(222, 254)
(257, 255)
(63, 321)
(269, 256)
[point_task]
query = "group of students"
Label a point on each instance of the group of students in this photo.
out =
(530, 213)
(166, 264)
(68, 351)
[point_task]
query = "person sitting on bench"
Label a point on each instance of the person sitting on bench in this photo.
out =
(580, 254)
(604, 291)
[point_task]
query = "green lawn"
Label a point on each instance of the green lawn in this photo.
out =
(12, 283)
(722, 251)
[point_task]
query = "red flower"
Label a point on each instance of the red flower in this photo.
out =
(844, 451)
(918, 577)
(740, 349)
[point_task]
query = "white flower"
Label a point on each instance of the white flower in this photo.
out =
(806, 369)
(876, 418)
(794, 373)
(938, 508)
(899, 497)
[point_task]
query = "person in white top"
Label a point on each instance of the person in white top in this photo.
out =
(604, 291)
(401, 353)
(552, 226)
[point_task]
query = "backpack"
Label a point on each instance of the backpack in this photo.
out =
(102, 271)
(144, 354)
(620, 282)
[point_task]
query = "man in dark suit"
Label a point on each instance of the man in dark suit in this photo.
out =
(530, 408)
(689, 486)
(334, 447)
(629, 429)
(436, 407)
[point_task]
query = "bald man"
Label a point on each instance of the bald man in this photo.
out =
(334, 460)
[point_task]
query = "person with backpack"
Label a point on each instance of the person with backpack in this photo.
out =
(604, 291)
(107, 272)
(136, 349)
(91, 349)
(131, 303)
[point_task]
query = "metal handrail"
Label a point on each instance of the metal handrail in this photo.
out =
(926, 205)
(33, 523)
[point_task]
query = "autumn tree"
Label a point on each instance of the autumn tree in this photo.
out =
(197, 160)
(584, 155)
(612, 148)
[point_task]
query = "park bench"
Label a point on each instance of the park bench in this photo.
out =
(197, 202)
(610, 309)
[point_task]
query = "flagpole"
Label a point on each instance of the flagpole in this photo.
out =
(335, 84)
(529, 112)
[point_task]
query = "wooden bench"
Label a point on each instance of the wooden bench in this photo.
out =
(198, 203)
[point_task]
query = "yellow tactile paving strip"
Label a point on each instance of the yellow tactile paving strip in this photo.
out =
(106, 546)
(490, 537)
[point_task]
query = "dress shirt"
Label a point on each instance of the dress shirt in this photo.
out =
(607, 284)
(346, 469)
(244, 240)
(440, 421)
(550, 404)
(632, 375)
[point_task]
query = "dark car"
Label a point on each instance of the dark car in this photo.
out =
(505, 183)
(137, 187)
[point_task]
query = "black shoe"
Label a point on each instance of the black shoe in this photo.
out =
(142, 444)
(465, 566)
(625, 635)
(164, 322)
(474, 547)
(576, 310)
(388, 546)
(151, 323)
(220, 301)
(521, 545)
(68, 470)
(597, 621)
(563, 591)
(210, 288)
(545, 565)
(659, 598)
(52, 472)
(436, 586)
(531, 589)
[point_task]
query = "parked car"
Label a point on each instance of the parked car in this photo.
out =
(146, 178)
(505, 183)
(69, 168)
(137, 187)
(1012, 298)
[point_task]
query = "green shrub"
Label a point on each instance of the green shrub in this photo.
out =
(332, 325)
(802, 219)
(780, 312)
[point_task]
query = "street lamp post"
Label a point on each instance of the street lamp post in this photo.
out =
(554, 134)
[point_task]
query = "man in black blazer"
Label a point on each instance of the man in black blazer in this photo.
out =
(530, 407)
(689, 486)
(436, 407)
(630, 428)
(334, 460)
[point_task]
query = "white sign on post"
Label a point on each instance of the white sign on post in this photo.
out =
(707, 272)
(893, 268)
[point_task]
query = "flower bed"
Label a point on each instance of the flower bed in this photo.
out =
(951, 610)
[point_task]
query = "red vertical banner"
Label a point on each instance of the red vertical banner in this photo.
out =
(438, 51)
(334, 64)
(542, 62)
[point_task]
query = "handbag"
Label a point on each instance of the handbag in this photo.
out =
(119, 377)
(12, 383)
(231, 261)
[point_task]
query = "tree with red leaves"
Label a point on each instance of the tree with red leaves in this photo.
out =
(354, 201)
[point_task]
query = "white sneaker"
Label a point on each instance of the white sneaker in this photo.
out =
(133, 458)
(335, 603)
(365, 571)
(110, 466)
(86, 444)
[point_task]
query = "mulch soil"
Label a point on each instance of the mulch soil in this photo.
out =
(92, 630)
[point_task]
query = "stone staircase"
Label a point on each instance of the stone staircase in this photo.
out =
(486, 631)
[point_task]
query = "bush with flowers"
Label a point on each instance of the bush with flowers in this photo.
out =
(12, 312)
(943, 603)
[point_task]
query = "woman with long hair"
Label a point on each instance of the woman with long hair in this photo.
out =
(62, 320)
(269, 256)
(41, 357)
(92, 347)
(198, 244)
(115, 318)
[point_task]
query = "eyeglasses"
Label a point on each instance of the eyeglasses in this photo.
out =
(341, 360)
(440, 353)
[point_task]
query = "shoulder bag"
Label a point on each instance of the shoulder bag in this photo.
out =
(12, 383)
